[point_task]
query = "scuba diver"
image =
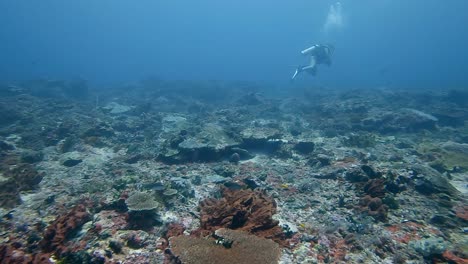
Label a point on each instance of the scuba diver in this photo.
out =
(319, 54)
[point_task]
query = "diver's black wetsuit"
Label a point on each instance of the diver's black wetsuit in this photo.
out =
(319, 54)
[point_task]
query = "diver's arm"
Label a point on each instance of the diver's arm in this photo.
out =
(309, 50)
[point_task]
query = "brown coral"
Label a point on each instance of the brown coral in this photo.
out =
(375, 188)
(56, 236)
(13, 254)
(462, 212)
(244, 210)
(452, 258)
(374, 207)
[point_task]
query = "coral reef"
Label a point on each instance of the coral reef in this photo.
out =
(328, 176)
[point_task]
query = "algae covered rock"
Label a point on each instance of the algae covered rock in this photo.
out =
(115, 108)
(429, 181)
(211, 143)
(448, 156)
(429, 246)
(403, 120)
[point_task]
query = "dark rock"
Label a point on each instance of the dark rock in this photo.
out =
(304, 147)
(250, 99)
(22, 177)
(323, 159)
(66, 144)
(234, 158)
(234, 185)
(116, 246)
(133, 159)
(31, 156)
(375, 188)
(459, 97)
(26, 176)
(359, 140)
(8, 115)
(6, 146)
(101, 130)
(9, 194)
(212, 143)
(141, 220)
(356, 175)
(443, 221)
(225, 170)
(263, 139)
(369, 171)
(393, 187)
(71, 162)
(243, 153)
(429, 181)
(452, 118)
(251, 183)
(404, 120)
(155, 186)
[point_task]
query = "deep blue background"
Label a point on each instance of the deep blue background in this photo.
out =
(404, 43)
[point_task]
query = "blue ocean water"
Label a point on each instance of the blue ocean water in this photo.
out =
(378, 42)
(127, 125)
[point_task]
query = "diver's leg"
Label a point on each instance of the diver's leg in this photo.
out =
(312, 70)
(312, 67)
(298, 70)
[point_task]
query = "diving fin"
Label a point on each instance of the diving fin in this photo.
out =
(298, 70)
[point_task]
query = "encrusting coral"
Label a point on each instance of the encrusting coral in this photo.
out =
(232, 246)
(141, 201)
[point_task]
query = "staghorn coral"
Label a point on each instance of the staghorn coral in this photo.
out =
(232, 246)
(244, 210)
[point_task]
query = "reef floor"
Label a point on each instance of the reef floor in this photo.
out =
(213, 172)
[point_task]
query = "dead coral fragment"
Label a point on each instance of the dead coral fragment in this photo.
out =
(141, 201)
(243, 248)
